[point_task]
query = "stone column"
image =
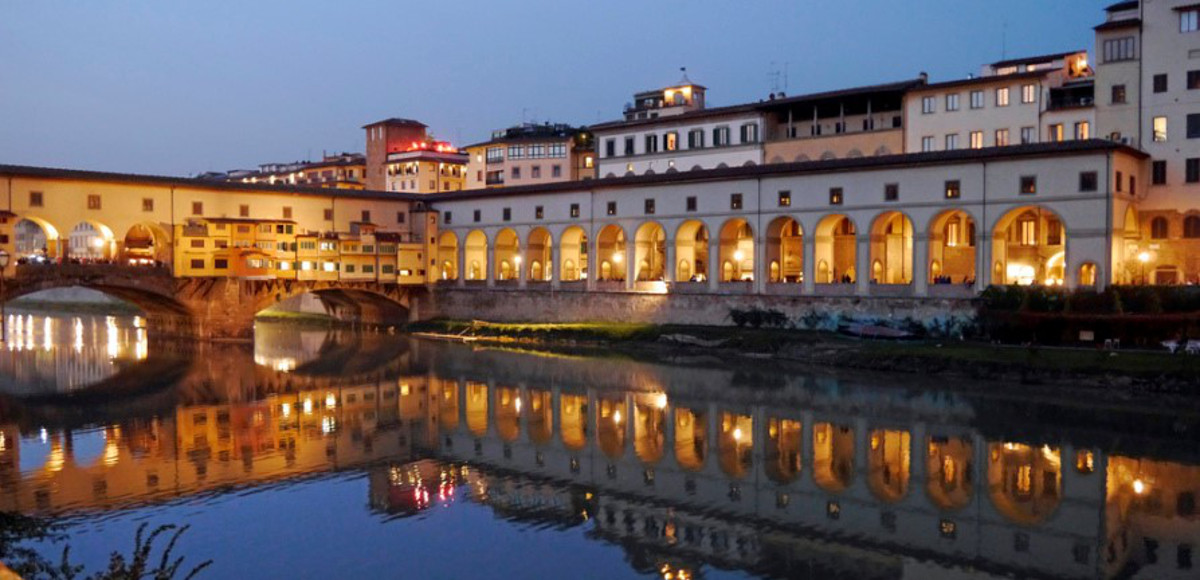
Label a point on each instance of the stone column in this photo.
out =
(522, 267)
(554, 265)
(669, 267)
(630, 263)
(593, 261)
(760, 265)
(809, 243)
(862, 265)
(983, 259)
(491, 266)
(920, 264)
(714, 263)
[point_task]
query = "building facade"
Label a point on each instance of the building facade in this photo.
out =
(531, 154)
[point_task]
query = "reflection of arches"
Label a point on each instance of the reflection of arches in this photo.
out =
(737, 250)
(836, 246)
(508, 413)
(537, 254)
(892, 249)
(691, 249)
(541, 416)
(650, 243)
(952, 247)
(507, 252)
(448, 406)
(691, 438)
(476, 251)
(448, 255)
(1026, 243)
(573, 421)
(649, 432)
(949, 464)
(785, 250)
(610, 422)
(477, 408)
(1024, 482)
(833, 456)
(889, 464)
(610, 253)
(784, 446)
(573, 245)
(735, 445)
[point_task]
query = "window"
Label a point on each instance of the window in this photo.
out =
(1119, 49)
(720, 136)
(649, 207)
(1193, 80)
(1160, 129)
(671, 141)
(1132, 185)
(695, 139)
(478, 215)
(401, 217)
(1158, 228)
(495, 154)
(835, 196)
(1002, 97)
(506, 214)
(1183, 553)
(629, 146)
(535, 172)
(610, 147)
(927, 144)
(952, 102)
(952, 142)
(891, 192)
(574, 210)
(928, 105)
(537, 151)
(1193, 126)
(1189, 20)
(516, 152)
(1088, 181)
(1028, 94)
(1083, 130)
(735, 201)
(328, 215)
(556, 171)
(976, 139)
(448, 218)
(750, 133)
(93, 201)
(691, 203)
(1191, 227)
(1028, 231)
(243, 210)
(1158, 172)
(1160, 83)
(651, 143)
(976, 99)
(1118, 94)
(197, 243)
(1028, 184)
(366, 216)
(35, 199)
(953, 189)
(1119, 179)
(1054, 133)
(556, 150)
(515, 172)
(221, 264)
(147, 204)
(1028, 135)
(612, 208)
(539, 212)
(785, 199)
(1001, 137)
(198, 264)
(1191, 170)
(287, 212)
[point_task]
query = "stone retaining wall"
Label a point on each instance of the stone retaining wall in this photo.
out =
(546, 306)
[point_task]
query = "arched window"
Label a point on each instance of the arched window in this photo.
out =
(1191, 227)
(685, 270)
(1087, 274)
(1158, 228)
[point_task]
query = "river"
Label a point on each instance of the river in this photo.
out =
(317, 453)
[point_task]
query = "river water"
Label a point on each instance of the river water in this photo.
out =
(332, 454)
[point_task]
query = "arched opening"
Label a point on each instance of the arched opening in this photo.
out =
(785, 251)
(538, 255)
(610, 253)
(610, 427)
(952, 248)
(649, 431)
(475, 255)
(541, 416)
(1024, 481)
(736, 444)
(477, 408)
(1159, 228)
(448, 256)
(35, 240)
(650, 243)
(508, 413)
(833, 456)
(889, 462)
(784, 446)
(448, 406)
(892, 249)
(950, 465)
(691, 252)
(146, 244)
(737, 251)
(574, 247)
(836, 246)
(508, 255)
(1087, 274)
(91, 241)
(691, 438)
(1029, 245)
(573, 421)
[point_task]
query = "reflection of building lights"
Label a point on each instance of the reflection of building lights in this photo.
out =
(43, 435)
(1143, 257)
(47, 334)
(112, 453)
(1139, 486)
(517, 404)
(285, 409)
(617, 416)
(404, 389)
(330, 400)
(327, 425)
(737, 434)
(660, 401)
(308, 406)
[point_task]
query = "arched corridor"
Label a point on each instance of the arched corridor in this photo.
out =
(573, 420)
(649, 431)
(1029, 247)
(1024, 481)
(145, 244)
(573, 244)
(610, 254)
(475, 256)
(691, 438)
(650, 248)
(784, 450)
(91, 241)
(889, 464)
(448, 256)
(949, 466)
(691, 252)
(736, 256)
(836, 250)
(736, 444)
(892, 249)
(785, 251)
(538, 255)
(833, 456)
(610, 426)
(952, 248)
(477, 408)
(508, 255)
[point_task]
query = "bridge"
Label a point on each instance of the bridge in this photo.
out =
(213, 307)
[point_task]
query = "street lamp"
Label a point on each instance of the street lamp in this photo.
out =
(3, 266)
(1143, 257)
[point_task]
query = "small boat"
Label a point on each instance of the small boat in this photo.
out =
(873, 331)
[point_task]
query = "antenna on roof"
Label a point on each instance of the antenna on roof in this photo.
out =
(685, 80)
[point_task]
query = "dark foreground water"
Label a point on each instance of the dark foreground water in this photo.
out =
(318, 454)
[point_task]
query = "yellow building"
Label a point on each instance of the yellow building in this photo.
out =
(427, 167)
(341, 171)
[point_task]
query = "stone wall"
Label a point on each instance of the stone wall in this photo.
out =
(498, 305)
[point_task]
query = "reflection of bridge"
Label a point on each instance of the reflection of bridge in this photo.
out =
(211, 307)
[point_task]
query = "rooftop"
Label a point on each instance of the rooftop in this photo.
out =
(1035, 59)
(397, 122)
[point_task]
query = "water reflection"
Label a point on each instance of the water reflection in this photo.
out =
(806, 475)
(45, 354)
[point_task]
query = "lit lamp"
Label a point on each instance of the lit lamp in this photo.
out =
(4, 256)
(1144, 258)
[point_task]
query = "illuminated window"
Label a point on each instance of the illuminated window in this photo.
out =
(1028, 184)
(1055, 133)
(835, 196)
(574, 210)
(1001, 137)
(1160, 129)
(785, 199)
(976, 139)
(1002, 97)
(953, 233)
(1029, 93)
(1083, 130)
(671, 141)
(953, 189)
(1028, 231)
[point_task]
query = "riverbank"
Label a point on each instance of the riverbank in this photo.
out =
(1131, 371)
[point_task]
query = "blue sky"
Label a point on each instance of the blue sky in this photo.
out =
(183, 87)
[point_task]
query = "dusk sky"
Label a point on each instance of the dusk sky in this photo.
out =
(180, 88)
